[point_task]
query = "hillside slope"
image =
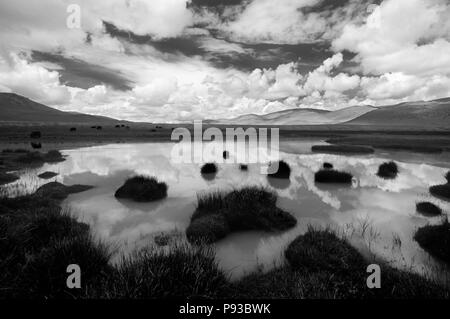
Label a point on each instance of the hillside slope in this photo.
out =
(412, 114)
(299, 117)
(16, 108)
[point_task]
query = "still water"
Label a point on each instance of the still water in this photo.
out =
(378, 216)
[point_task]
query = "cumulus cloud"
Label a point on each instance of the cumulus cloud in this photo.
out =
(161, 68)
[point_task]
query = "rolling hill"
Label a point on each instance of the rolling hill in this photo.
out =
(299, 117)
(412, 114)
(18, 109)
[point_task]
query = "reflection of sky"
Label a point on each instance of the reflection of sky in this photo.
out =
(389, 205)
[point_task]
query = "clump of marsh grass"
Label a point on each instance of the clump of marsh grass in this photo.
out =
(283, 171)
(332, 176)
(209, 171)
(243, 167)
(322, 265)
(388, 170)
(142, 189)
(250, 208)
(37, 158)
(182, 271)
(442, 191)
(7, 178)
(327, 165)
(322, 249)
(435, 239)
(209, 168)
(428, 209)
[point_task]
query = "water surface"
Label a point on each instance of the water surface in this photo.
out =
(378, 216)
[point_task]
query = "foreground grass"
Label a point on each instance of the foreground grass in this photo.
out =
(251, 208)
(39, 240)
(320, 265)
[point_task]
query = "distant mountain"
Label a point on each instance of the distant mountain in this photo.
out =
(299, 117)
(431, 114)
(16, 108)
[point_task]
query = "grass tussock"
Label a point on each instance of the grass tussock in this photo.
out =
(321, 265)
(442, 191)
(7, 178)
(428, 209)
(283, 171)
(342, 149)
(333, 176)
(388, 170)
(251, 208)
(142, 189)
(243, 167)
(38, 158)
(327, 165)
(435, 239)
(208, 169)
(182, 272)
(39, 241)
(47, 175)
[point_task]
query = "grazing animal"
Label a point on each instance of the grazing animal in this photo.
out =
(73, 129)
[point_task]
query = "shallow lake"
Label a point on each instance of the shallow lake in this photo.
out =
(378, 216)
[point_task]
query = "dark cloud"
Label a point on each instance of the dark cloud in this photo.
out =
(77, 73)
(260, 55)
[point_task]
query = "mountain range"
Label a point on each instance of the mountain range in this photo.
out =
(18, 109)
(431, 114)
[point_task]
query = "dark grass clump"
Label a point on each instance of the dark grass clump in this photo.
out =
(342, 149)
(322, 249)
(209, 168)
(47, 175)
(388, 170)
(183, 272)
(7, 178)
(333, 176)
(435, 239)
(243, 167)
(142, 189)
(327, 165)
(442, 191)
(284, 170)
(226, 155)
(37, 158)
(35, 145)
(321, 265)
(250, 208)
(38, 242)
(428, 209)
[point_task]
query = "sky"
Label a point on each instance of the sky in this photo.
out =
(185, 60)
